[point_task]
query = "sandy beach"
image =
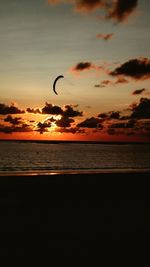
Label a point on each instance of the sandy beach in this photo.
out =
(71, 211)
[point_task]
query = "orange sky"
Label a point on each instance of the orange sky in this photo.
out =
(101, 52)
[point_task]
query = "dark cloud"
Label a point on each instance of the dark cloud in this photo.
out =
(82, 66)
(131, 127)
(19, 125)
(50, 109)
(70, 112)
(118, 10)
(129, 124)
(134, 120)
(32, 110)
(42, 127)
(10, 129)
(138, 92)
(120, 131)
(134, 68)
(105, 37)
(64, 122)
(51, 119)
(103, 115)
(14, 121)
(90, 123)
(142, 110)
(98, 86)
(118, 125)
(110, 115)
(4, 110)
(114, 115)
(136, 123)
(122, 9)
(73, 130)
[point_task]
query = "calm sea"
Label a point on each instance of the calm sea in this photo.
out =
(34, 158)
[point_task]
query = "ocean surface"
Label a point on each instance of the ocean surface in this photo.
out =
(51, 158)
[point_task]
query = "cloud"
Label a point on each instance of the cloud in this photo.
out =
(4, 110)
(121, 80)
(82, 5)
(103, 115)
(122, 9)
(50, 109)
(64, 122)
(105, 37)
(118, 10)
(105, 83)
(132, 121)
(138, 92)
(72, 130)
(14, 121)
(34, 111)
(70, 112)
(114, 115)
(85, 66)
(142, 110)
(82, 66)
(129, 124)
(10, 129)
(90, 123)
(97, 85)
(88, 5)
(110, 115)
(42, 126)
(134, 68)
(132, 127)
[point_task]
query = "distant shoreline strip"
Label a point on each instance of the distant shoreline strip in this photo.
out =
(75, 142)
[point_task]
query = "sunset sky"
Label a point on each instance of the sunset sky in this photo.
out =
(101, 47)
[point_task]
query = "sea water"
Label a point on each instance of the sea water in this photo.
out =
(34, 157)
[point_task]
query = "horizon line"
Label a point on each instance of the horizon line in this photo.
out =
(74, 141)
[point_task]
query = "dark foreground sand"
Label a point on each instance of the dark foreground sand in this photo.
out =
(74, 212)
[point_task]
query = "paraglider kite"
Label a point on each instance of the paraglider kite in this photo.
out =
(54, 84)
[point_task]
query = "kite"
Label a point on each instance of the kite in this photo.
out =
(54, 84)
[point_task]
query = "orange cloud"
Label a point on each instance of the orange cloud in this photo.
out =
(118, 10)
(105, 37)
(88, 6)
(83, 66)
(81, 5)
(122, 9)
(138, 91)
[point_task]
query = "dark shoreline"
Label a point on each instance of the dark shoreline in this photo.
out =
(74, 211)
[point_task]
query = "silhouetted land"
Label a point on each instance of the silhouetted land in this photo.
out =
(74, 212)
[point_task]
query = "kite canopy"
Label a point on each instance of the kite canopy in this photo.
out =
(54, 84)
